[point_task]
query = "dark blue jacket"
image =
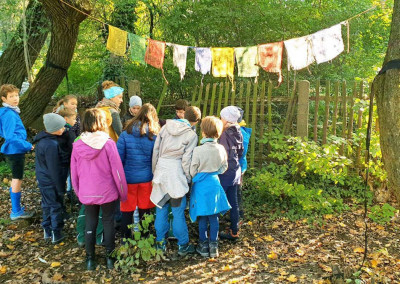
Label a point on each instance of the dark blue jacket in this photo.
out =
(65, 143)
(246, 132)
(136, 153)
(50, 171)
(13, 131)
(232, 140)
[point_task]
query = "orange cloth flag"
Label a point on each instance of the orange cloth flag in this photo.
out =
(222, 61)
(270, 57)
(155, 53)
(116, 42)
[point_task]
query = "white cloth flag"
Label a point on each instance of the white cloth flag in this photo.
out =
(299, 52)
(179, 58)
(327, 43)
(203, 60)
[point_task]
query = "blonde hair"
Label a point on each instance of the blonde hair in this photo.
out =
(108, 84)
(147, 116)
(94, 120)
(65, 112)
(6, 89)
(211, 126)
(65, 99)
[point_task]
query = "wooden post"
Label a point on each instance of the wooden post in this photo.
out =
(303, 109)
(359, 122)
(253, 126)
(262, 111)
(290, 111)
(214, 90)
(270, 107)
(193, 101)
(335, 109)
(163, 93)
(133, 88)
(200, 96)
(327, 102)
(248, 94)
(351, 114)
(221, 89)
(233, 97)
(204, 112)
(316, 111)
(344, 114)
(226, 94)
(240, 104)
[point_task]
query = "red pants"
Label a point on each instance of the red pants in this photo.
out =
(138, 195)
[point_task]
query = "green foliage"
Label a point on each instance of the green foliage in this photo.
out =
(4, 168)
(138, 250)
(382, 214)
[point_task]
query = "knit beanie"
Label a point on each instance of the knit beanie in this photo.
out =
(241, 115)
(230, 114)
(135, 101)
(53, 122)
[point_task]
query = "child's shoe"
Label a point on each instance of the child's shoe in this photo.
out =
(161, 246)
(57, 237)
(203, 248)
(47, 234)
(229, 235)
(110, 261)
(214, 249)
(22, 214)
(90, 263)
(186, 249)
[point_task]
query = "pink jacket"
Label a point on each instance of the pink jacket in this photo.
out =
(97, 173)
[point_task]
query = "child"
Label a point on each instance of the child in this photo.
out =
(135, 147)
(14, 147)
(99, 181)
(51, 175)
(172, 155)
(208, 198)
(70, 102)
(180, 107)
(232, 140)
(135, 103)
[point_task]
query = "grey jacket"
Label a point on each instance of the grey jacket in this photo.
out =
(208, 158)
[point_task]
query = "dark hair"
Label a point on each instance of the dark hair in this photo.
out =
(94, 119)
(7, 88)
(211, 126)
(65, 99)
(181, 104)
(193, 114)
(146, 118)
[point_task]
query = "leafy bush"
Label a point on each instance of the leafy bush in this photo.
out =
(382, 215)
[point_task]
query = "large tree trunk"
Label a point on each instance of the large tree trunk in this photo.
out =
(65, 23)
(386, 88)
(12, 61)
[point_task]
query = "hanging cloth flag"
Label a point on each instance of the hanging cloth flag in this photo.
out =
(116, 42)
(179, 58)
(155, 53)
(222, 61)
(137, 48)
(246, 59)
(270, 58)
(203, 60)
(299, 52)
(327, 43)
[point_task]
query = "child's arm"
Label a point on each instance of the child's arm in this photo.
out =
(156, 151)
(194, 165)
(54, 167)
(187, 157)
(116, 122)
(8, 130)
(74, 173)
(224, 162)
(121, 146)
(117, 170)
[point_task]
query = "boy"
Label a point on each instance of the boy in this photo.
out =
(180, 107)
(135, 103)
(51, 175)
(232, 140)
(15, 146)
(172, 155)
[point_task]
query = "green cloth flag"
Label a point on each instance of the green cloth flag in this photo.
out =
(137, 47)
(246, 58)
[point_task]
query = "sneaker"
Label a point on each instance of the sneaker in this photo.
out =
(47, 234)
(57, 237)
(214, 249)
(203, 249)
(186, 249)
(161, 246)
(22, 214)
(229, 235)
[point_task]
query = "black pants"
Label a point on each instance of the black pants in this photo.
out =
(52, 207)
(127, 219)
(92, 217)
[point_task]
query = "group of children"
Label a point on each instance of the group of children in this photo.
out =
(145, 164)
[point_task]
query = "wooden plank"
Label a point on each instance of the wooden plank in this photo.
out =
(247, 108)
(262, 111)
(200, 96)
(327, 102)
(163, 93)
(221, 89)
(193, 101)
(240, 103)
(303, 109)
(316, 110)
(344, 114)
(335, 108)
(253, 126)
(233, 96)
(359, 122)
(353, 96)
(204, 112)
(269, 102)
(214, 91)
(227, 87)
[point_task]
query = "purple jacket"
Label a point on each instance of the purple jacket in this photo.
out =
(97, 174)
(232, 140)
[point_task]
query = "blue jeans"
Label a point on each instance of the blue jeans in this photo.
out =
(179, 226)
(203, 227)
(52, 207)
(231, 194)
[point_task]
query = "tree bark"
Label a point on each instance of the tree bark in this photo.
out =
(65, 23)
(12, 61)
(386, 88)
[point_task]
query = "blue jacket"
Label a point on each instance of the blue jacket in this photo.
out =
(246, 132)
(50, 171)
(13, 131)
(136, 153)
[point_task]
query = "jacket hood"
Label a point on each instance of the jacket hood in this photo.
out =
(234, 134)
(90, 144)
(176, 127)
(136, 130)
(43, 134)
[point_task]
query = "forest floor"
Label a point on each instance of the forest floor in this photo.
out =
(280, 251)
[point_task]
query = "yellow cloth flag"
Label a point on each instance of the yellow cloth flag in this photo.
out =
(222, 61)
(116, 42)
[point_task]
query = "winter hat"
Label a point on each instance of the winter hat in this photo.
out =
(53, 122)
(135, 101)
(241, 115)
(230, 114)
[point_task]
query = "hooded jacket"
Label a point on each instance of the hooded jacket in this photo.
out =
(49, 165)
(232, 140)
(97, 173)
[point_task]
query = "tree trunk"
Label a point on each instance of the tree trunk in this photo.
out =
(12, 61)
(65, 23)
(386, 88)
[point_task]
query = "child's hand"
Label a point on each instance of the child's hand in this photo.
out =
(33, 147)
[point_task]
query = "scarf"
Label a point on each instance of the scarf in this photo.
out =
(116, 42)
(222, 61)
(327, 43)
(299, 52)
(108, 103)
(270, 58)
(14, 108)
(137, 48)
(203, 60)
(205, 140)
(246, 59)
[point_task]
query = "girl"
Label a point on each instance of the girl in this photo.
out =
(99, 181)
(135, 147)
(208, 198)
(70, 102)
(113, 97)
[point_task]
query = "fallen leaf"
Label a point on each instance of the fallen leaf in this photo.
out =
(16, 237)
(253, 265)
(5, 254)
(325, 267)
(328, 216)
(272, 255)
(359, 250)
(169, 273)
(250, 223)
(3, 269)
(55, 264)
(57, 277)
(374, 263)
(226, 267)
(11, 247)
(233, 281)
(300, 252)
(268, 238)
(292, 278)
